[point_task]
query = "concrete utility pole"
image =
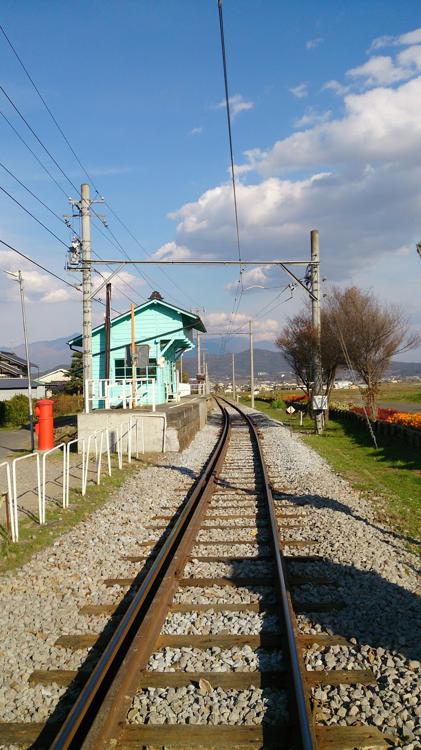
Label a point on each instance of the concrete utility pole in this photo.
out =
(317, 390)
(251, 364)
(19, 278)
(84, 206)
(233, 377)
(28, 364)
(198, 353)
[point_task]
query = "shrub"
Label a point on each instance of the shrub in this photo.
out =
(66, 403)
(276, 403)
(14, 413)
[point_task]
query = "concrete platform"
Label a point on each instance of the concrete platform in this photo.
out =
(183, 420)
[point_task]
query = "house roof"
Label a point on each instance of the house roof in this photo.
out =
(195, 320)
(10, 384)
(12, 357)
(12, 365)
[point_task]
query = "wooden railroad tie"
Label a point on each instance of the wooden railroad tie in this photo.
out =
(208, 736)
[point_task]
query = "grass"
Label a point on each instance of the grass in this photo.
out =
(405, 392)
(34, 538)
(390, 476)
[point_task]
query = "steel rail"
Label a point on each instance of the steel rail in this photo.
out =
(94, 720)
(302, 704)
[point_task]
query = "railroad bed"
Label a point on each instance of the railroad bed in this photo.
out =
(202, 647)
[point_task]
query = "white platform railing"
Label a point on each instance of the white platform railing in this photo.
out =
(104, 393)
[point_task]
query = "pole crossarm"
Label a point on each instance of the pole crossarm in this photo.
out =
(205, 262)
(281, 263)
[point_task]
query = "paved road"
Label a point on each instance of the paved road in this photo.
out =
(12, 441)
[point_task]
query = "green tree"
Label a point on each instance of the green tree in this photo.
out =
(75, 384)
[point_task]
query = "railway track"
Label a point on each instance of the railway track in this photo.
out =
(214, 584)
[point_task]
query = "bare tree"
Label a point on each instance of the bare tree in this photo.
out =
(297, 342)
(370, 334)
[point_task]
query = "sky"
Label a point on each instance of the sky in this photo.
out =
(325, 103)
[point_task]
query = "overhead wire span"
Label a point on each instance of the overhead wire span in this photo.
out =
(85, 170)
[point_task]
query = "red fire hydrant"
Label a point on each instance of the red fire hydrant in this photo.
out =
(45, 425)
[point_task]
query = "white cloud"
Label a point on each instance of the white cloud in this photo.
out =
(196, 131)
(311, 117)
(336, 87)
(172, 251)
(381, 124)
(237, 104)
(264, 329)
(57, 295)
(313, 43)
(379, 70)
(411, 37)
(300, 91)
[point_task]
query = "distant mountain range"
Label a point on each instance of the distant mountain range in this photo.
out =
(269, 363)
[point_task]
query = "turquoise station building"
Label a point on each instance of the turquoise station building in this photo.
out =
(163, 332)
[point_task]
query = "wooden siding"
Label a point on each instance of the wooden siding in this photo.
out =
(153, 323)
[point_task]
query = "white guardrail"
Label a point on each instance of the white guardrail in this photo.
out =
(98, 441)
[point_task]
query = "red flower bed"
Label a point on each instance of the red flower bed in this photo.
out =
(294, 399)
(383, 414)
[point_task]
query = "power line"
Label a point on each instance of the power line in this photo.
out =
(46, 106)
(51, 273)
(46, 170)
(28, 190)
(16, 108)
(49, 174)
(33, 217)
(84, 169)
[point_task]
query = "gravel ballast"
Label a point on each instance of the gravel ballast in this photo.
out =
(374, 577)
(40, 601)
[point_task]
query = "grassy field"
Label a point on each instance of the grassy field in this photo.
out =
(390, 475)
(406, 392)
(33, 538)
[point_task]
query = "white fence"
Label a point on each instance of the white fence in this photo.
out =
(105, 393)
(97, 444)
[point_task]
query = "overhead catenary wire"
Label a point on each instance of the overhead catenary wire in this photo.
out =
(239, 289)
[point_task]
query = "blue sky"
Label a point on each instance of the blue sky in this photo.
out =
(326, 132)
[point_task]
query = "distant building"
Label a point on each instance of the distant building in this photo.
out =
(10, 387)
(14, 377)
(163, 332)
(54, 377)
(12, 366)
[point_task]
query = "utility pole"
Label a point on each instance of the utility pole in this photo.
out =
(198, 353)
(28, 364)
(84, 205)
(19, 278)
(107, 331)
(85, 213)
(317, 390)
(251, 364)
(233, 377)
